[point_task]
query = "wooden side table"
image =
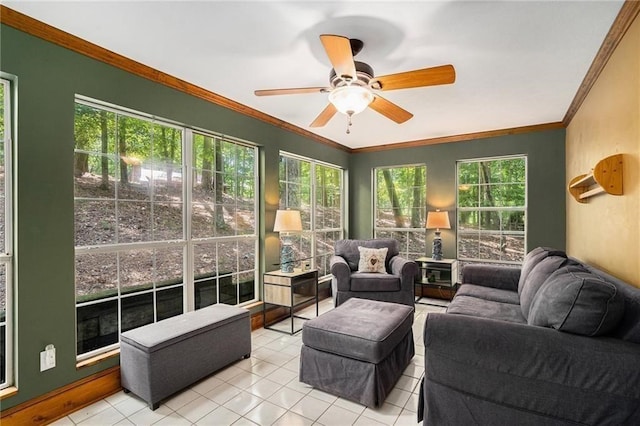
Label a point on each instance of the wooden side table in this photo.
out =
(436, 274)
(289, 290)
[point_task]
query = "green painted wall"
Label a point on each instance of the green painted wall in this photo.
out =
(546, 176)
(48, 79)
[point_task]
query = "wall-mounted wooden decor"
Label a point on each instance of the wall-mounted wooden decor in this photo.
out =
(606, 177)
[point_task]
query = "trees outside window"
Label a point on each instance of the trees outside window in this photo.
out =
(492, 207)
(147, 233)
(316, 189)
(223, 220)
(400, 206)
(6, 236)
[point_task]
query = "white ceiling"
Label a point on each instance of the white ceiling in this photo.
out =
(517, 63)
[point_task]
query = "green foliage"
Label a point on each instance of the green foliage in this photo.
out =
(491, 208)
(496, 183)
(295, 192)
(2, 88)
(401, 196)
(295, 183)
(2, 122)
(107, 143)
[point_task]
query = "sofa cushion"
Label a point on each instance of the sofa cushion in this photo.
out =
(364, 281)
(536, 277)
(475, 307)
(532, 259)
(629, 326)
(576, 301)
(489, 293)
(348, 249)
(372, 260)
(366, 330)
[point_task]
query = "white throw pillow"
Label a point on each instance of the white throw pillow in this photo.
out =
(372, 260)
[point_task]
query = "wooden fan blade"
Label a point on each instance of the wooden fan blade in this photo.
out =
(324, 116)
(444, 74)
(390, 110)
(338, 50)
(292, 91)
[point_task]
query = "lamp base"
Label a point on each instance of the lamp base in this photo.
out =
(436, 250)
(286, 257)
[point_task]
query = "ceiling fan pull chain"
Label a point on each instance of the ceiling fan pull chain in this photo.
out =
(349, 114)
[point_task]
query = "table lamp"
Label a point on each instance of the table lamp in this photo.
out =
(437, 220)
(287, 221)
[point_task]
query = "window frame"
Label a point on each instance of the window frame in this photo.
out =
(9, 84)
(460, 233)
(312, 233)
(186, 243)
(420, 232)
(192, 241)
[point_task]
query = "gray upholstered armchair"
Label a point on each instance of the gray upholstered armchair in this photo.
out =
(394, 286)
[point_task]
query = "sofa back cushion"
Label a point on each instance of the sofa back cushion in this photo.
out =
(576, 301)
(532, 259)
(629, 326)
(348, 249)
(535, 278)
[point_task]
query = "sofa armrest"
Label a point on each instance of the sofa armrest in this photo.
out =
(533, 369)
(341, 273)
(406, 270)
(502, 277)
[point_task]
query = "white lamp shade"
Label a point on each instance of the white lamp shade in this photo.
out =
(438, 220)
(351, 99)
(287, 220)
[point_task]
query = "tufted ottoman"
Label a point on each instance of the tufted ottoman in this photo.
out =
(358, 350)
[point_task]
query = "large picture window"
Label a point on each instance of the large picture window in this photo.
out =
(147, 233)
(400, 206)
(223, 220)
(316, 189)
(6, 237)
(492, 207)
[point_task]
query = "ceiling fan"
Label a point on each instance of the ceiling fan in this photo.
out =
(353, 86)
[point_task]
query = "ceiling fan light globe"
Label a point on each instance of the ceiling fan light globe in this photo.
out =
(351, 99)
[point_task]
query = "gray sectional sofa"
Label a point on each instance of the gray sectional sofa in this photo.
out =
(554, 342)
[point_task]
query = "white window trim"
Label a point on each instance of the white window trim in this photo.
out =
(497, 209)
(187, 242)
(9, 84)
(312, 178)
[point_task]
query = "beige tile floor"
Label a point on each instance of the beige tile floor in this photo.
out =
(264, 390)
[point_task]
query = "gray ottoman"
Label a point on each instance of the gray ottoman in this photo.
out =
(358, 350)
(159, 359)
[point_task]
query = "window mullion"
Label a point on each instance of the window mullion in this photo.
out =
(188, 168)
(312, 210)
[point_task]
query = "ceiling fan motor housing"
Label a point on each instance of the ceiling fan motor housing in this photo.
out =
(364, 74)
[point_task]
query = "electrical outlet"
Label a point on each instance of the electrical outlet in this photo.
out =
(48, 358)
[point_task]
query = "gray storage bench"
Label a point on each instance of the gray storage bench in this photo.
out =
(358, 350)
(159, 359)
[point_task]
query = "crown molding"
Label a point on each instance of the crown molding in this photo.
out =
(628, 13)
(462, 138)
(26, 24)
(61, 38)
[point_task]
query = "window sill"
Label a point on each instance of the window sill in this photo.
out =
(8, 392)
(97, 359)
